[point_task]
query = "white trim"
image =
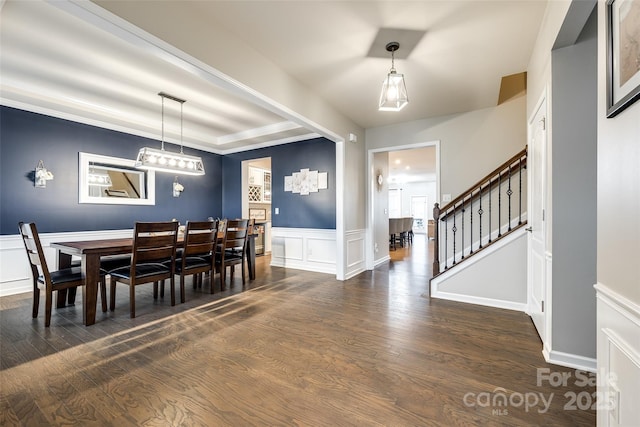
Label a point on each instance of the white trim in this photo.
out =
(627, 308)
(454, 270)
(340, 268)
(355, 252)
(382, 261)
(304, 249)
(113, 24)
(618, 356)
(487, 302)
(570, 360)
(86, 160)
(372, 193)
(510, 303)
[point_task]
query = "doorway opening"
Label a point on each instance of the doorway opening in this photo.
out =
(411, 183)
(256, 200)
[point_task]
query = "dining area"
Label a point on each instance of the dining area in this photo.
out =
(158, 253)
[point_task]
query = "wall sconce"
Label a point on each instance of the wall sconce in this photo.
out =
(41, 176)
(177, 188)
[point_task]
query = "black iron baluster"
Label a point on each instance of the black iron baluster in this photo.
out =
(480, 212)
(490, 197)
(471, 230)
(520, 191)
(446, 238)
(499, 204)
(455, 230)
(462, 220)
(509, 193)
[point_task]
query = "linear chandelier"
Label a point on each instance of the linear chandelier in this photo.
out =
(99, 178)
(394, 92)
(164, 161)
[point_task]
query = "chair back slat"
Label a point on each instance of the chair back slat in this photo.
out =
(32, 245)
(154, 241)
(236, 233)
(200, 238)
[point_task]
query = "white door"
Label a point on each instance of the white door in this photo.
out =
(419, 213)
(537, 165)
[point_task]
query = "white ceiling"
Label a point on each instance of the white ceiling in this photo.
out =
(55, 62)
(412, 165)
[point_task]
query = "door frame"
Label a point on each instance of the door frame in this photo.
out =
(373, 193)
(543, 103)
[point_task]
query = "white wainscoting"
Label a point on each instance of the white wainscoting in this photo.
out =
(354, 241)
(618, 355)
(304, 249)
(15, 273)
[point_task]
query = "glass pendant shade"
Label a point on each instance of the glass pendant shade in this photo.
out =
(393, 96)
(394, 93)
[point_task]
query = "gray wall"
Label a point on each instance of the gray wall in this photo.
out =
(574, 171)
(472, 144)
(380, 207)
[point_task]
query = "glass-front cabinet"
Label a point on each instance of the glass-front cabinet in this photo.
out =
(259, 185)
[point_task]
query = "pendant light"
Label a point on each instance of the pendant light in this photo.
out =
(164, 161)
(394, 92)
(98, 178)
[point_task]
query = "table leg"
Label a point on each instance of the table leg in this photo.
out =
(91, 270)
(64, 261)
(251, 256)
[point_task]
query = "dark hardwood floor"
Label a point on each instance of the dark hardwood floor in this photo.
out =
(290, 348)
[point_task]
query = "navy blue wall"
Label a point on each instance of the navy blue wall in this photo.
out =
(317, 210)
(27, 137)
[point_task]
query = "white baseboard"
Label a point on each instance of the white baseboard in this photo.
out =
(383, 260)
(487, 302)
(570, 360)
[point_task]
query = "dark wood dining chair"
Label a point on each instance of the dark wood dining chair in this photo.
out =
(152, 261)
(66, 278)
(233, 250)
(198, 253)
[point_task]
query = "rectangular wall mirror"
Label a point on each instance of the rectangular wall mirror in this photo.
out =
(115, 181)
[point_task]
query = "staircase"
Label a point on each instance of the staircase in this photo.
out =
(480, 218)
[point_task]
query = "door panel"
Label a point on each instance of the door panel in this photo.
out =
(536, 217)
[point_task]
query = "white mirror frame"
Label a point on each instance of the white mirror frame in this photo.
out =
(86, 159)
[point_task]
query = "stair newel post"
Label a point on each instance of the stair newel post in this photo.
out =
(436, 239)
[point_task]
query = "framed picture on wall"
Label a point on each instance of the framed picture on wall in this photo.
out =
(623, 54)
(257, 214)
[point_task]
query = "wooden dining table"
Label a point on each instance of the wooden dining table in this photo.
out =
(90, 252)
